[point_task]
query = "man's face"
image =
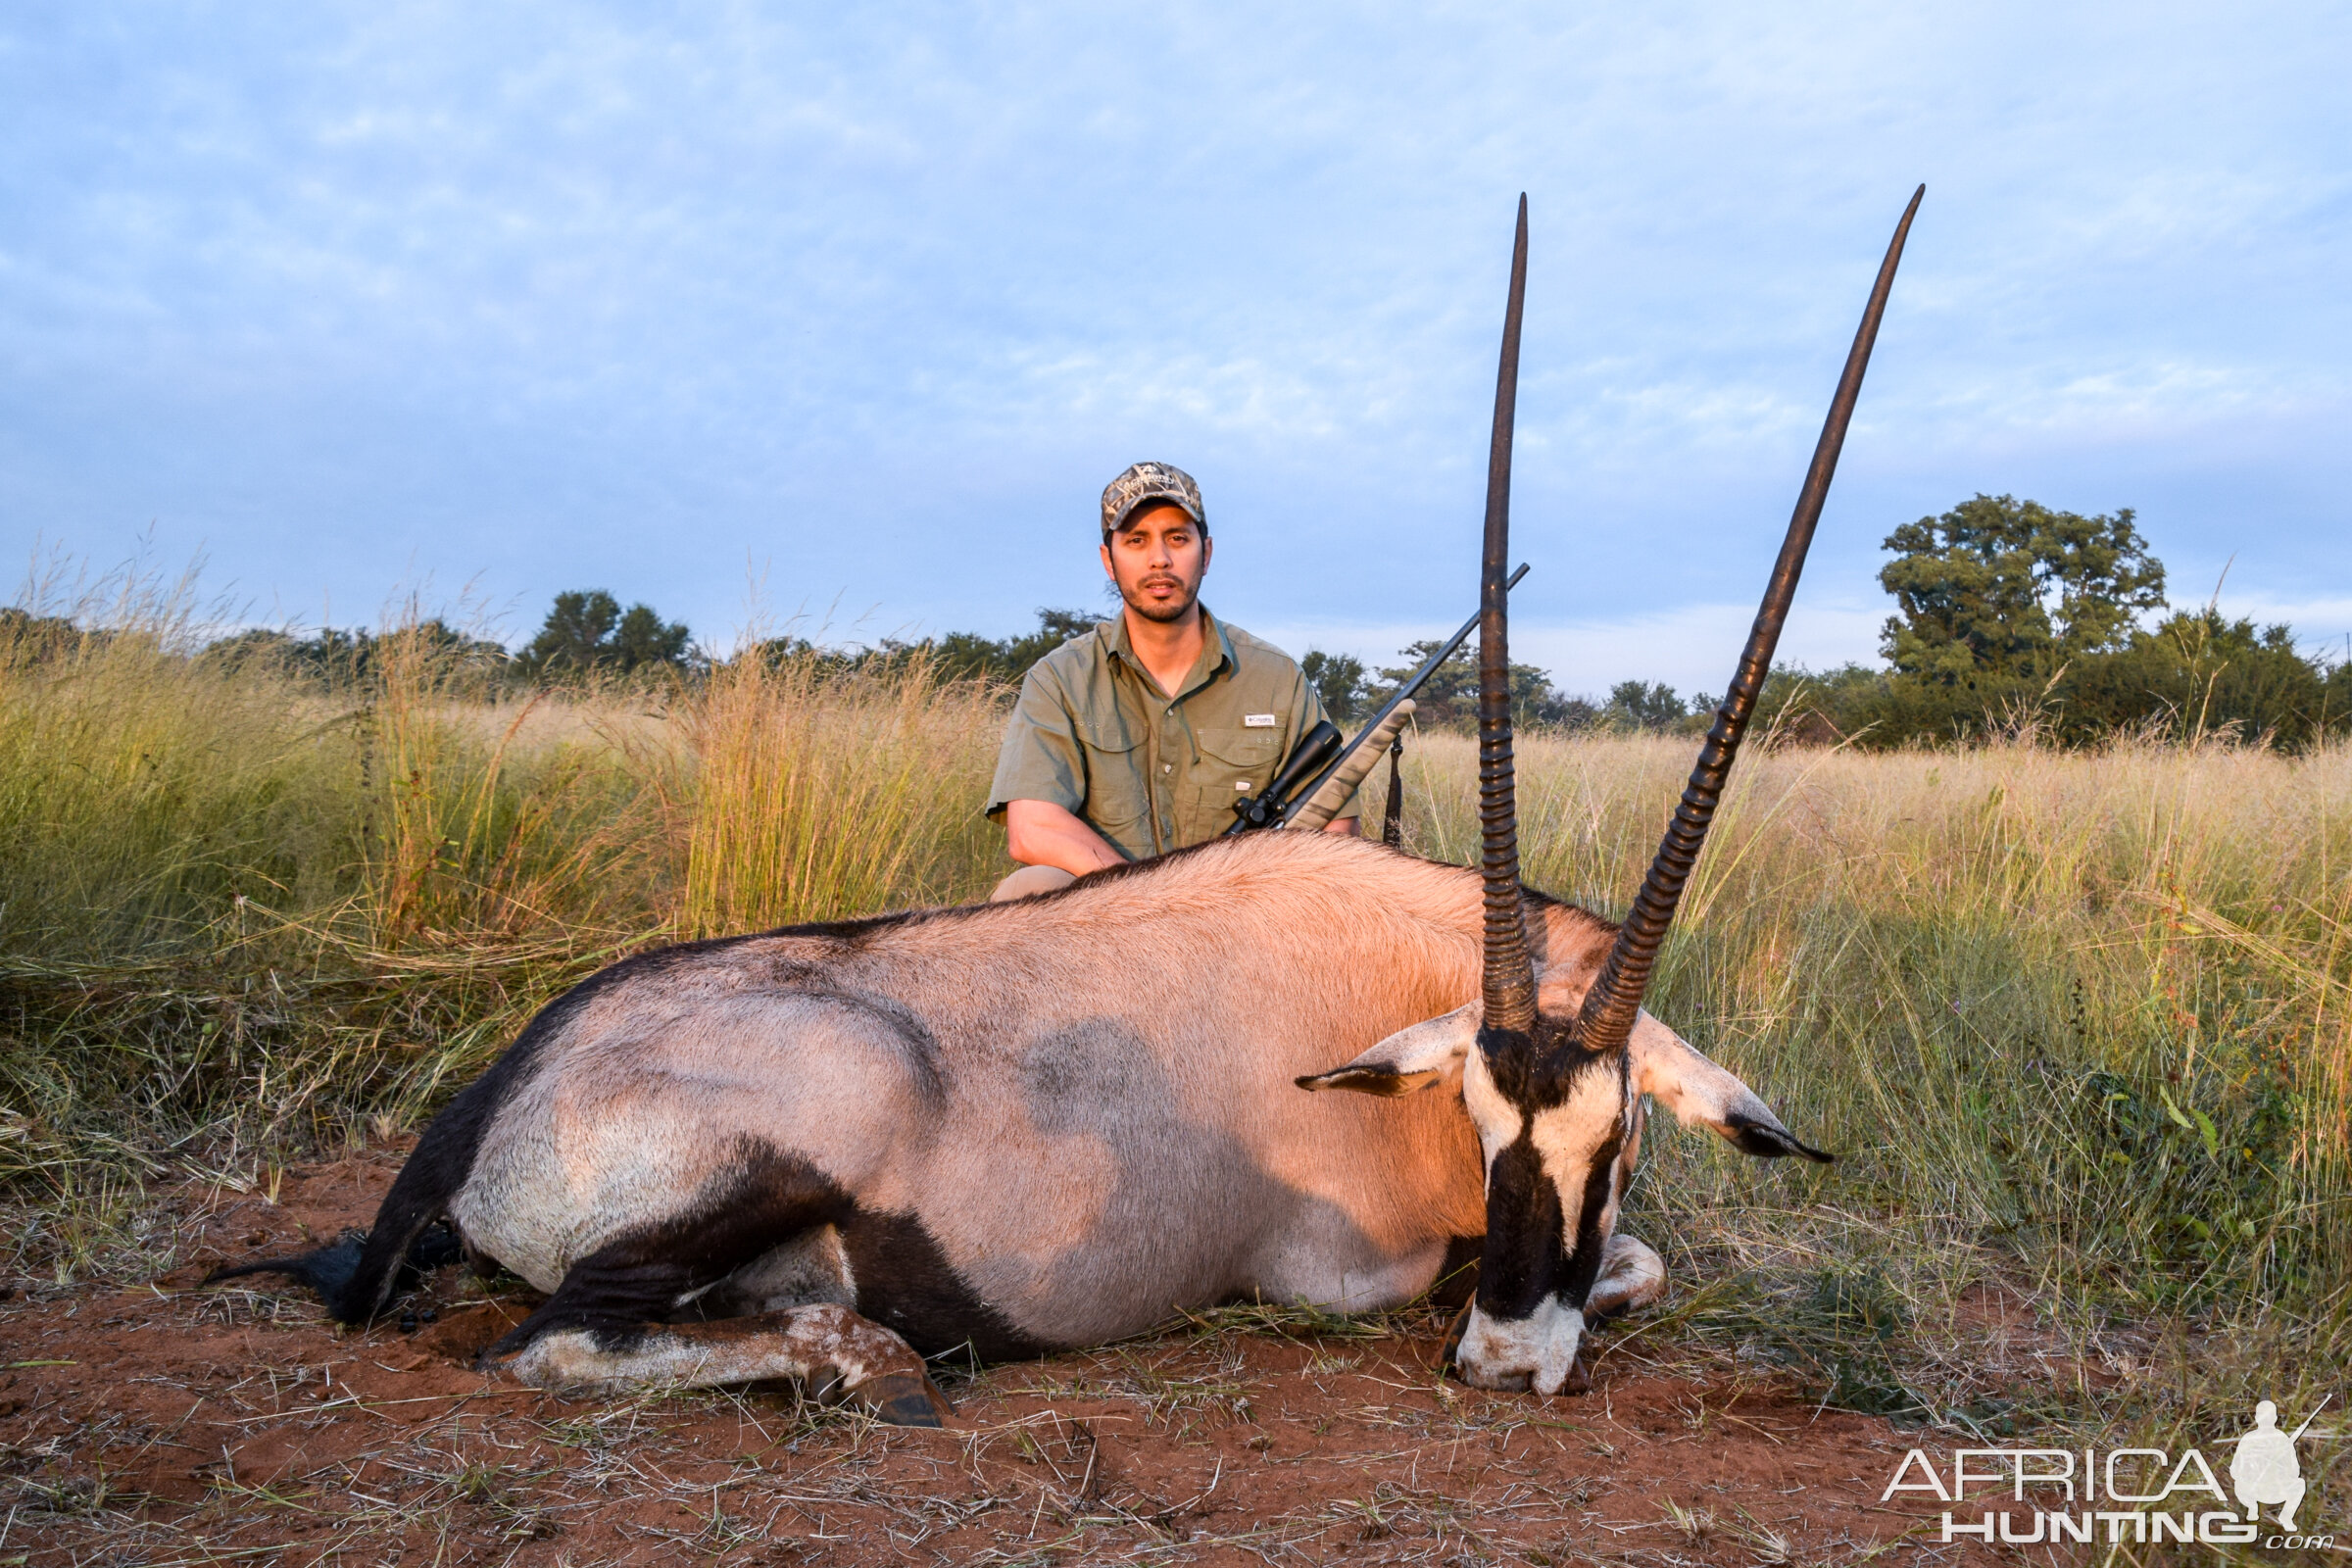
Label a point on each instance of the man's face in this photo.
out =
(1158, 559)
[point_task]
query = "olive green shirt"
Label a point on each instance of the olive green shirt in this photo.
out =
(1093, 734)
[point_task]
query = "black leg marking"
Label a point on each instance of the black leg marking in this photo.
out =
(904, 1281)
(1456, 1284)
(638, 1278)
(906, 1284)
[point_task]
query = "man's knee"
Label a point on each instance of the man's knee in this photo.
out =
(1031, 879)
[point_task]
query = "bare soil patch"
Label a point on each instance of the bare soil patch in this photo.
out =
(166, 1425)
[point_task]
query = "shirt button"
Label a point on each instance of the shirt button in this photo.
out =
(1167, 768)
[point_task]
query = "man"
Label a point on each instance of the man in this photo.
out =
(1137, 738)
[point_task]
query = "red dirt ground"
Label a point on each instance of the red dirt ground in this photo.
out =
(169, 1425)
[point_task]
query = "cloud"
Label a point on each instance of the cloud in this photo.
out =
(589, 295)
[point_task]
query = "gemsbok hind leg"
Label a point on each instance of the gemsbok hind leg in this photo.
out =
(658, 1304)
(833, 1352)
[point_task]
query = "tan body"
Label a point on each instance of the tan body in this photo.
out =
(1087, 1099)
(828, 1153)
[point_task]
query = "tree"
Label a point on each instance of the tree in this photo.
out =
(587, 631)
(1449, 697)
(642, 640)
(2199, 675)
(32, 639)
(1338, 680)
(968, 655)
(333, 656)
(955, 655)
(1637, 706)
(1998, 586)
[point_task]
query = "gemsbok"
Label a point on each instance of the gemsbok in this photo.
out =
(828, 1151)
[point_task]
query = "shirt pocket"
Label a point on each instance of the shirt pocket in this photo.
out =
(1231, 757)
(1115, 788)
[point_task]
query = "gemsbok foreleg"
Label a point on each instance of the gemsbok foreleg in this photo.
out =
(1631, 1276)
(834, 1353)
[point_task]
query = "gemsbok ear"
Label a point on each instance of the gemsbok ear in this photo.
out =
(1408, 1060)
(1665, 1067)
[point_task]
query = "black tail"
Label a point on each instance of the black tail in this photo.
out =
(358, 1272)
(331, 1270)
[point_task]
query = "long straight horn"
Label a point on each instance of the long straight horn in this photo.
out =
(1510, 979)
(1609, 1007)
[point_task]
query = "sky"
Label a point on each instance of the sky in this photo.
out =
(842, 317)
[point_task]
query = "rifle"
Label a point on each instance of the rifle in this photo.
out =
(1318, 759)
(1265, 809)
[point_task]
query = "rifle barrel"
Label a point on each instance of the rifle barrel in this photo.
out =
(1299, 801)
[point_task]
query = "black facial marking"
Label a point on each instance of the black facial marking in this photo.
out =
(635, 1280)
(1520, 1261)
(1583, 1265)
(1526, 1232)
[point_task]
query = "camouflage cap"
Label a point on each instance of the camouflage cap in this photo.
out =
(1146, 482)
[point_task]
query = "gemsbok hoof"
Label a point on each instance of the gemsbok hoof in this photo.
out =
(904, 1399)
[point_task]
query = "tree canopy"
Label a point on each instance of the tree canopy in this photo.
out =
(2016, 618)
(952, 656)
(588, 632)
(2006, 587)
(1339, 682)
(1449, 697)
(1639, 705)
(336, 656)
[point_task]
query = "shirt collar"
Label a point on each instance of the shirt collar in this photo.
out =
(1217, 650)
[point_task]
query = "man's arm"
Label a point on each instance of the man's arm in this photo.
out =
(1041, 833)
(1040, 785)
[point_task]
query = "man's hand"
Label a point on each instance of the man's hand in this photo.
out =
(1041, 833)
(1348, 826)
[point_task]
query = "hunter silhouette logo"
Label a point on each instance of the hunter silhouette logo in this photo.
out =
(2084, 1494)
(2264, 1470)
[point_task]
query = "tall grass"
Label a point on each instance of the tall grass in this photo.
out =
(2075, 1022)
(242, 915)
(816, 797)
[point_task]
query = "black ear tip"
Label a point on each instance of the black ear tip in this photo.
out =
(1772, 1143)
(1386, 1082)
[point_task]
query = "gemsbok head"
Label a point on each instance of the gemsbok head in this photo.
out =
(1554, 1066)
